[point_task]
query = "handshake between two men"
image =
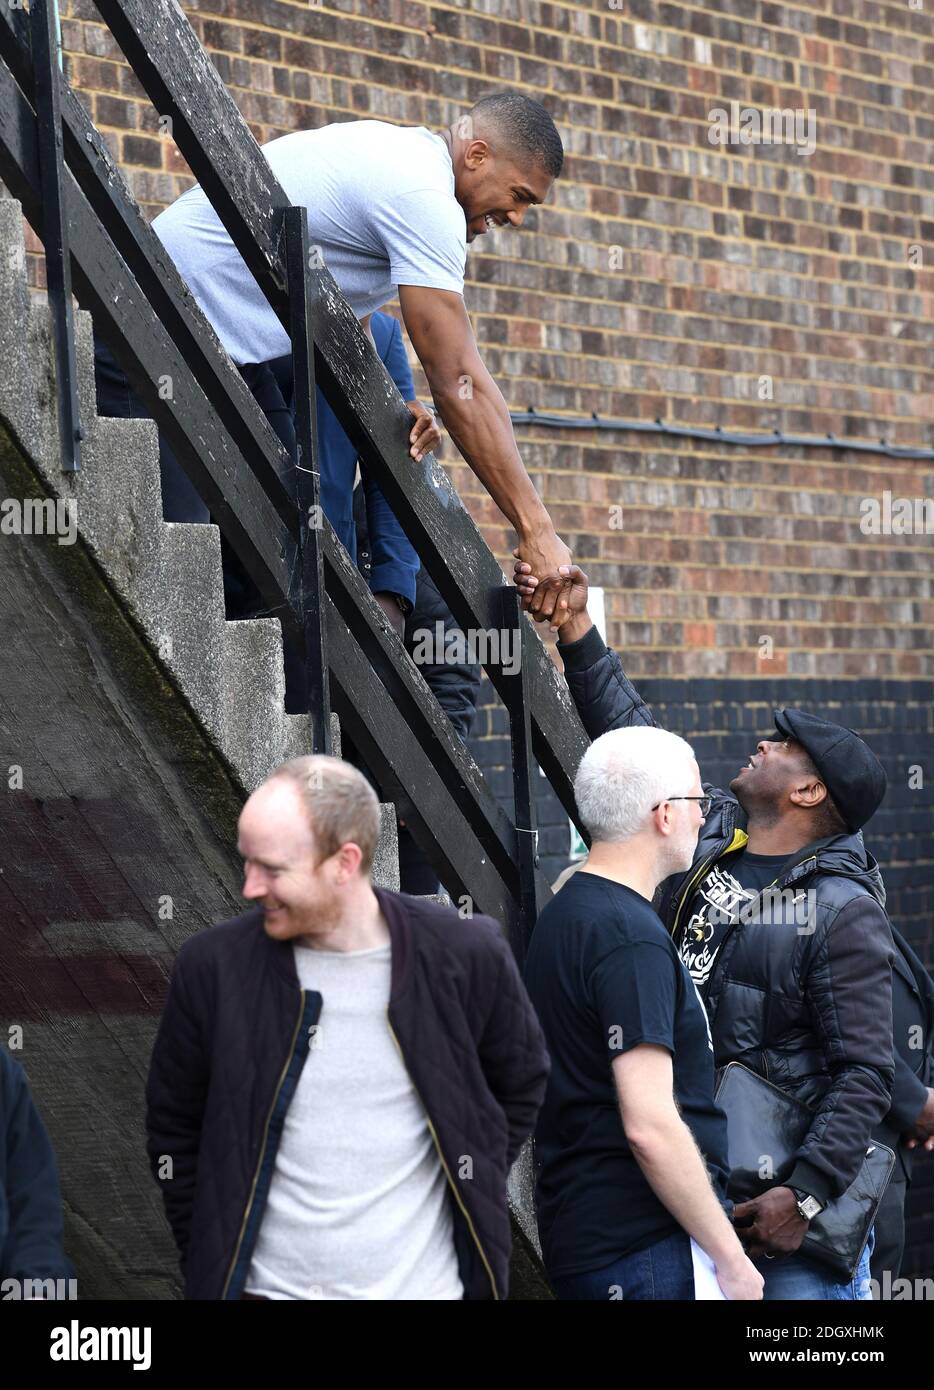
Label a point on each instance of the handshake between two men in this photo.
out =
(558, 598)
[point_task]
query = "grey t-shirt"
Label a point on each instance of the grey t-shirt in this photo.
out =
(358, 1206)
(381, 213)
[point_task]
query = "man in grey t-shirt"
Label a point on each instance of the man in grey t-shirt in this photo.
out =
(391, 210)
(343, 1075)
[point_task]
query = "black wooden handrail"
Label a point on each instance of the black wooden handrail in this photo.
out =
(44, 37)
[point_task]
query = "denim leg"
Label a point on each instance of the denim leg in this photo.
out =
(801, 1279)
(661, 1272)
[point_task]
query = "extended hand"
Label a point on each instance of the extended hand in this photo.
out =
(770, 1224)
(571, 585)
(425, 436)
(544, 553)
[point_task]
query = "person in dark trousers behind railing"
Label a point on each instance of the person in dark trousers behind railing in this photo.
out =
(31, 1236)
(342, 1076)
(804, 996)
(454, 684)
(391, 210)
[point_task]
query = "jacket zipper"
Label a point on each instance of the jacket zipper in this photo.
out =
(431, 1130)
(262, 1147)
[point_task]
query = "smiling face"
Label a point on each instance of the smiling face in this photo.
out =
(493, 189)
(776, 769)
(300, 896)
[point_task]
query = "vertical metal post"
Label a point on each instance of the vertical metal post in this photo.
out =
(46, 59)
(308, 490)
(524, 770)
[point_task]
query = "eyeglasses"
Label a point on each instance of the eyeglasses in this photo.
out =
(704, 802)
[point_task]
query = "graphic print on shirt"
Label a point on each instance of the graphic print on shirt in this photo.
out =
(720, 897)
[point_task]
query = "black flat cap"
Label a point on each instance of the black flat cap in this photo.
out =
(849, 768)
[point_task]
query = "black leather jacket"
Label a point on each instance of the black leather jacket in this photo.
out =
(809, 1007)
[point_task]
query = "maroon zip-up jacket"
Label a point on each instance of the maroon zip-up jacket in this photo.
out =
(234, 1037)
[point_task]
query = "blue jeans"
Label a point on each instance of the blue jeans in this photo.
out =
(661, 1271)
(795, 1277)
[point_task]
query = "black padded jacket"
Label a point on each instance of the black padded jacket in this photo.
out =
(808, 1007)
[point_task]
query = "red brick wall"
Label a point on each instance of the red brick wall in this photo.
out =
(665, 278)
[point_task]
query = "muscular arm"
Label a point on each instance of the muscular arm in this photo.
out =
(477, 419)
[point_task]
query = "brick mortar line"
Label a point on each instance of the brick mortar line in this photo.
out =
(716, 236)
(674, 396)
(580, 355)
(717, 457)
(771, 543)
(623, 389)
(682, 507)
(664, 338)
(795, 594)
(687, 509)
(651, 508)
(693, 565)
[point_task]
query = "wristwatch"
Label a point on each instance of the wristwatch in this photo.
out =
(808, 1206)
(404, 603)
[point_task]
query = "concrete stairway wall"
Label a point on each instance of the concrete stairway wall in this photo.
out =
(166, 574)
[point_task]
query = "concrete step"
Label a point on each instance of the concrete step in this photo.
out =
(167, 575)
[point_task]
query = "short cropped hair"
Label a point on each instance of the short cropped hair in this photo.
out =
(524, 126)
(340, 803)
(624, 773)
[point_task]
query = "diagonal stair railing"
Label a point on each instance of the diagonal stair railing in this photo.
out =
(140, 305)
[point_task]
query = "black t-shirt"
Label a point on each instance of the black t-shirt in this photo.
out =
(721, 895)
(604, 976)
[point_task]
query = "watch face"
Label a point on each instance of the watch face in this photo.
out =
(809, 1208)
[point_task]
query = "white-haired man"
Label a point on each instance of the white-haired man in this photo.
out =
(630, 1146)
(343, 1075)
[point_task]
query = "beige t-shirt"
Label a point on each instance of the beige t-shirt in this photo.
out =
(358, 1206)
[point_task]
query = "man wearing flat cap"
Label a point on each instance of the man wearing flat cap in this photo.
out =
(781, 922)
